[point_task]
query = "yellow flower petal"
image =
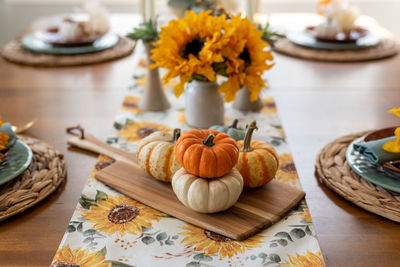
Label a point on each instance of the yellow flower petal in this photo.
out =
(393, 146)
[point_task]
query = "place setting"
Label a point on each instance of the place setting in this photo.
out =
(338, 36)
(30, 169)
(364, 168)
(70, 40)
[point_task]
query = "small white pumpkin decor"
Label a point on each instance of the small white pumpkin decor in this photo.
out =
(156, 155)
(207, 195)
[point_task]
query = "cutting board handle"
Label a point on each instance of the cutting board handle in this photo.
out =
(91, 143)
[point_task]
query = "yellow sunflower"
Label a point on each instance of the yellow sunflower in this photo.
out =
(78, 257)
(305, 215)
(308, 259)
(247, 57)
(119, 214)
(102, 162)
(131, 104)
(287, 172)
(182, 47)
(136, 131)
(212, 243)
(269, 106)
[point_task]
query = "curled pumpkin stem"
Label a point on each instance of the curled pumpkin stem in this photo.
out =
(210, 140)
(234, 124)
(177, 134)
(247, 139)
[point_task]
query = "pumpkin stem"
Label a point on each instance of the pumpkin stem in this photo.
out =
(210, 140)
(247, 139)
(177, 134)
(234, 124)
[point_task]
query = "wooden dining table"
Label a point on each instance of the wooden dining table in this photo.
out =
(317, 102)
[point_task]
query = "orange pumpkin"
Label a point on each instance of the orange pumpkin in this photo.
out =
(207, 153)
(258, 161)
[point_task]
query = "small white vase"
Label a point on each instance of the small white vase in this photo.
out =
(153, 98)
(204, 105)
(242, 101)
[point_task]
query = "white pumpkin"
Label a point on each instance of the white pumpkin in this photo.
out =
(207, 195)
(156, 155)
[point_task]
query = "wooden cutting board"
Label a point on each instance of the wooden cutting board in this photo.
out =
(256, 208)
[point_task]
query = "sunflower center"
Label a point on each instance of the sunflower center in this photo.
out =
(288, 167)
(123, 213)
(64, 264)
(101, 165)
(216, 237)
(245, 56)
(193, 47)
(145, 131)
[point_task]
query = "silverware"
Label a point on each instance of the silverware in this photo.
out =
(23, 128)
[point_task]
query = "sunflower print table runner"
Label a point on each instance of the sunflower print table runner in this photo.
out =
(109, 229)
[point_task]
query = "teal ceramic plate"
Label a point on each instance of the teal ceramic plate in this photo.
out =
(17, 160)
(34, 43)
(370, 171)
(305, 39)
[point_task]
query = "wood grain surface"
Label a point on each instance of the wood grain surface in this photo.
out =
(255, 209)
(317, 103)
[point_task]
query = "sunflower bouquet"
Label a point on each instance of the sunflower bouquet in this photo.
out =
(202, 46)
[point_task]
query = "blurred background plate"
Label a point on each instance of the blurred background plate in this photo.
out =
(34, 43)
(17, 160)
(305, 39)
(369, 171)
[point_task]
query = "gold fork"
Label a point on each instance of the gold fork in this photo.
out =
(23, 128)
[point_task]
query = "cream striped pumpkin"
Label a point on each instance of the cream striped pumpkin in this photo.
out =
(258, 161)
(156, 155)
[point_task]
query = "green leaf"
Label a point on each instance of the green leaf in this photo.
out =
(161, 236)
(118, 126)
(175, 236)
(282, 242)
(298, 233)
(169, 242)
(89, 232)
(117, 264)
(101, 253)
(148, 240)
(253, 257)
(79, 228)
(202, 257)
(71, 228)
(86, 202)
(262, 255)
(193, 264)
(100, 195)
(274, 257)
(146, 229)
(308, 230)
(284, 235)
(147, 32)
(273, 245)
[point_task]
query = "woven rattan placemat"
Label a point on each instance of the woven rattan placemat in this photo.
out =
(387, 47)
(13, 51)
(43, 176)
(332, 169)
